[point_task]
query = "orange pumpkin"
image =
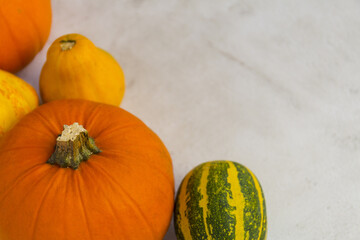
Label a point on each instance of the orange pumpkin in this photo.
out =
(124, 191)
(24, 29)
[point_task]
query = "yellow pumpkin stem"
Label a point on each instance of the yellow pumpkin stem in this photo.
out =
(73, 146)
(67, 44)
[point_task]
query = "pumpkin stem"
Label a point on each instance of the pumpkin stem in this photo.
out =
(67, 44)
(73, 146)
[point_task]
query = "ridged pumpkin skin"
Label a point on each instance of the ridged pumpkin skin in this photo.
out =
(220, 200)
(17, 98)
(124, 192)
(76, 69)
(24, 28)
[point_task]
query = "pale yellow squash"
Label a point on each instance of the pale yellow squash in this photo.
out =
(17, 98)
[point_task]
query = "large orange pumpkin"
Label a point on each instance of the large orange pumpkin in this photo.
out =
(125, 191)
(24, 29)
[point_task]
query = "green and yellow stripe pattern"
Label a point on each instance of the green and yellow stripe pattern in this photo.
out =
(220, 200)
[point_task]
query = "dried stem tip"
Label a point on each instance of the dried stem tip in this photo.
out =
(73, 146)
(67, 44)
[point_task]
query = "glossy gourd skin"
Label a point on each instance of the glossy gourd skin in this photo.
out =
(124, 192)
(76, 69)
(24, 28)
(220, 200)
(17, 98)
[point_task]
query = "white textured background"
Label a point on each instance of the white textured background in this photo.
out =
(274, 85)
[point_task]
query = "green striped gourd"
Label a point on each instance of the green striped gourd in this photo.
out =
(220, 200)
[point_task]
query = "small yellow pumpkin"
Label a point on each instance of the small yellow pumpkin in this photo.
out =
(17, 98)
(76, 69)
